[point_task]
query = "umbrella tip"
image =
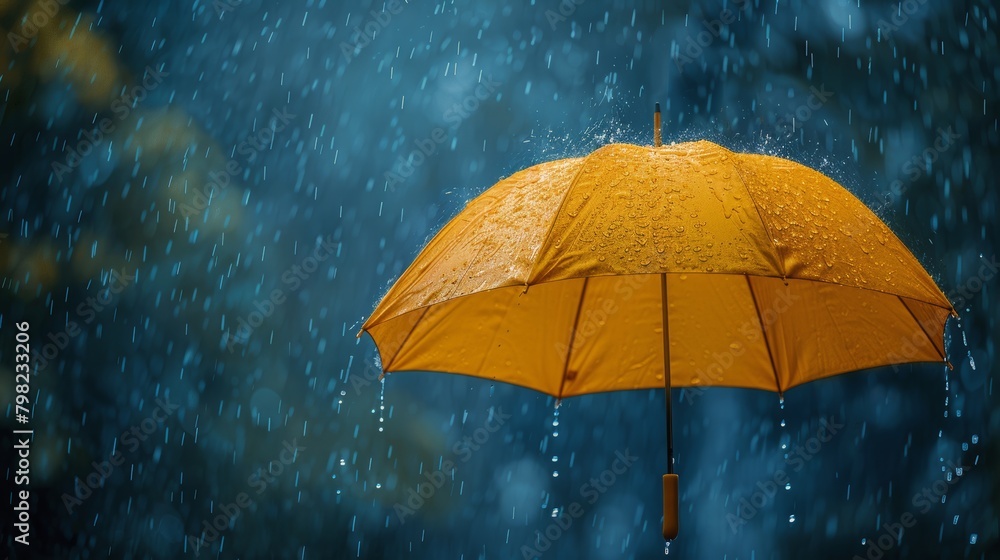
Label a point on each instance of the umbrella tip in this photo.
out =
(657, 135)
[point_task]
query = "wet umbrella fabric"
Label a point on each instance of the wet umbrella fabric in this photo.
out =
(601, 273)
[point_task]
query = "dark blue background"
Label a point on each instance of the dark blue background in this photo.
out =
(565, 85)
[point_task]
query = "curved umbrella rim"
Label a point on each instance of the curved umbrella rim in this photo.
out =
(783, 391)
(366, 326)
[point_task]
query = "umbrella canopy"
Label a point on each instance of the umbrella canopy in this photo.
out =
(775, 276)
(641, 267)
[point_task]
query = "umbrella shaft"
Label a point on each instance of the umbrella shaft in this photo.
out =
(670, 438)
(666, 374)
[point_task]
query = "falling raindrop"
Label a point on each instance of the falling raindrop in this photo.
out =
(784, 438)
(788, 486)
(555, 420)
(791, 519)
(947, 388)
(666, 548)
(381, 402)
(555, 434)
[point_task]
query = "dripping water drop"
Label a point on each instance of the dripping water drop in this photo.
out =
(381, 402)
(555, 434)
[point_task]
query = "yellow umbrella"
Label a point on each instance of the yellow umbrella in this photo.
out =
(601, 273)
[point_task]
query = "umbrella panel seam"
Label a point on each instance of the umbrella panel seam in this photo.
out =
(572, 336)
(763, 332)
(555, 218)
(767, 228)
(921, 325)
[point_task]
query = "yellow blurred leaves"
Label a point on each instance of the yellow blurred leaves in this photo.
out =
(50, 41)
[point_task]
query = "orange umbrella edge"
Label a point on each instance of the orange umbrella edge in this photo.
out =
(368, 325)
(660, 388)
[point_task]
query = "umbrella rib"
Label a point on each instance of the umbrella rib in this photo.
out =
(552, 226)
(386, 367)
(763, 331)
(572, 336)
(921, 325)
(767, 229)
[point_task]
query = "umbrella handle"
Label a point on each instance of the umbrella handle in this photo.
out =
(671, 505)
